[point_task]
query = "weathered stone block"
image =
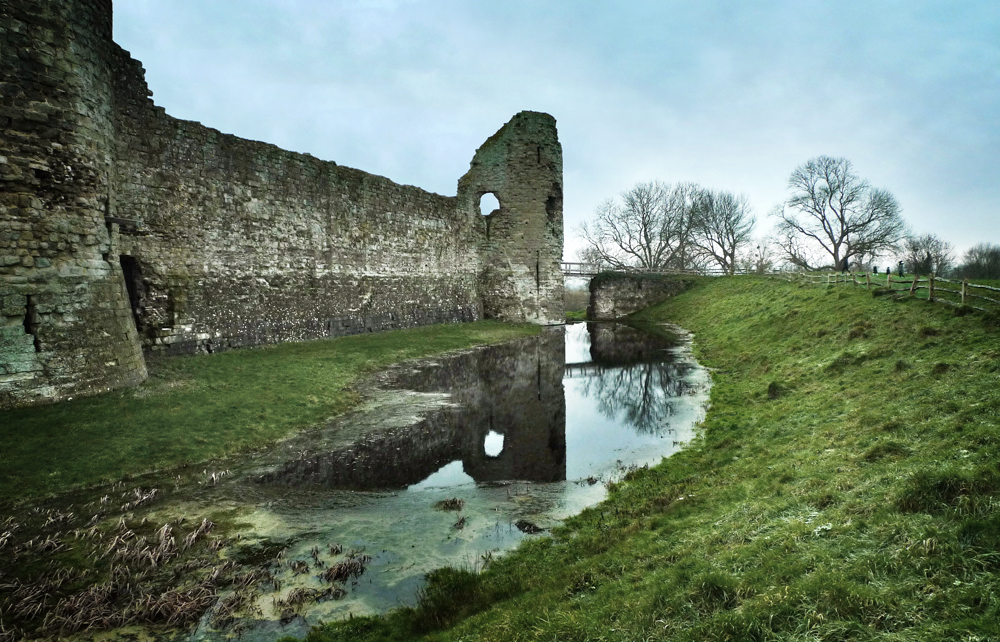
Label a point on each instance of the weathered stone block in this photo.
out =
(617, 296)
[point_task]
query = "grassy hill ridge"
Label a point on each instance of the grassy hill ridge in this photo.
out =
(847, 487)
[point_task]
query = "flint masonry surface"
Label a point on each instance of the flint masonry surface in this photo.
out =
(124, 231)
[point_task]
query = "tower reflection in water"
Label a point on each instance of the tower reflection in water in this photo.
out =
(507, 417)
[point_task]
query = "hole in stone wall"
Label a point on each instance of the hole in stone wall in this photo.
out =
(31, 322)
(133, 283)
(488, 204)
(493, 444)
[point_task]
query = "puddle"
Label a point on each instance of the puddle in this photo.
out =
(524, 435)
(451, 462)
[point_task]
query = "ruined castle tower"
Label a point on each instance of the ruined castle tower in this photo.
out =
(521, 246)
(126, 231)
(65, 322)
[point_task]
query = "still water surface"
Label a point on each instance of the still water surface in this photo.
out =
(524, 434)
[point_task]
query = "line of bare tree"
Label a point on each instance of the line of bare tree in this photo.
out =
(660, 226)
(832, 218)
(928, 254)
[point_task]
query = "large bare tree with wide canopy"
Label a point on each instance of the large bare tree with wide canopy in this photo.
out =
(833, 212)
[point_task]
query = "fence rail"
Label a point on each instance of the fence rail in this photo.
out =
(907, 286)
(593, 269)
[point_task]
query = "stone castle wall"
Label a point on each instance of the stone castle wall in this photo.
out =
(123, 229)
(238, 242)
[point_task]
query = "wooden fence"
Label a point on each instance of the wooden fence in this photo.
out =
(592, 269)
(936, 289)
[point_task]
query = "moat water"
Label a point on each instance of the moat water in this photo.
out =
(449, 462)
(524, 434)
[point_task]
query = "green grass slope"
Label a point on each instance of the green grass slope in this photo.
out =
(847, 487)
(201, 407)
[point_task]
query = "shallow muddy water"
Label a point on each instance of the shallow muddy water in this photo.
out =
(450, 462)
(523, 434)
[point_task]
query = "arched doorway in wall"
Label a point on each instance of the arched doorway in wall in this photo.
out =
(133, 283)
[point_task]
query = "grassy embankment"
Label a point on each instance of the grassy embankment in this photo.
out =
(197, 408)
(847, 487)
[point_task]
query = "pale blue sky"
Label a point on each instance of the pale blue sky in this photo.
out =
(731, 95)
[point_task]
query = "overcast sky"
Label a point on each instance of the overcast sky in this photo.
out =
(732, 95)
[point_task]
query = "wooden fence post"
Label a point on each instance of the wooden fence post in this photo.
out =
(868, 280)
(965, 288)
(930, 287)
(913, 287)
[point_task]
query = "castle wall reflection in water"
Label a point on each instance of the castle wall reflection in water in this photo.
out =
(515, 438)
(507, 416)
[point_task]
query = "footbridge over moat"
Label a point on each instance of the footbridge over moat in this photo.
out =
(590, 270)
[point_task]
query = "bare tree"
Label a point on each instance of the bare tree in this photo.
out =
(722, 227)
(835, 213)
(650, 226)
(928, 254)
(758, 257)
(981, 261)
(592, 257)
